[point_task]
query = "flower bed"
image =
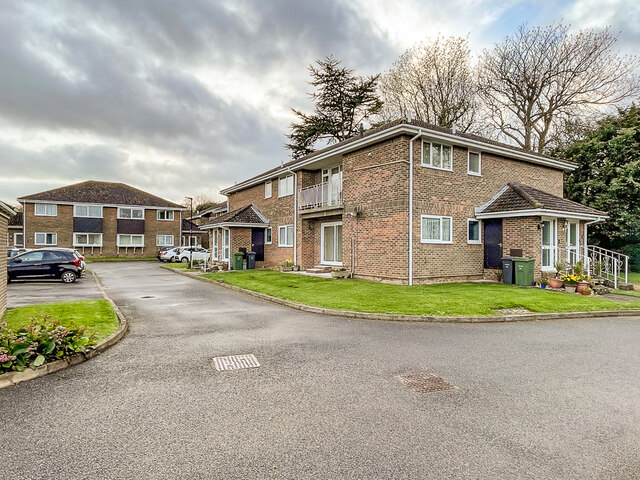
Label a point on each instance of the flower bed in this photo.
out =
(41, 341)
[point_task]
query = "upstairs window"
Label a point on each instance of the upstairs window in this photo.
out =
(437, 155)
(88, 211)
(285, 186)
(474, 164)
(131, 213)
(268, 187)
(435, 229)
(46, 210)
(164, 215)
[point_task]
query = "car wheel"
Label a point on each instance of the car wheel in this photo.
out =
(184, 260)
(68, 276)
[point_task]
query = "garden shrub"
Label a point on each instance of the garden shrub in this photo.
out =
(41, 341)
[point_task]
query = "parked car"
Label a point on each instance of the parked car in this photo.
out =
(198, 253)
(161, 250)
(170, 255)
(13, 251)
(61, 263)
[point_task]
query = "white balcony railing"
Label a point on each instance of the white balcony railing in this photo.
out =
(328, 194)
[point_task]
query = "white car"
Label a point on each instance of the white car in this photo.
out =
(170, 255)
(198, 253)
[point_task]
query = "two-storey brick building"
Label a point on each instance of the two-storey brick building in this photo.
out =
(407, 203)
(101, 219)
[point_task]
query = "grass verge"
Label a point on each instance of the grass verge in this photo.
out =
(452, 299)
(634, 277)
(176, 265)
(97, 316)
(119, 259)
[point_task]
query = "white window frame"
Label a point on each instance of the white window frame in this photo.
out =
(268, 184)
(15, 241)
(553, 247)
(333, 225)
(226, 244)
(479, 172)
(164, 241)
(214, 248)
(166, 212)
(76, 214)
(573, 249)
(54, 237)
(285, 236)
(282, 180)
(430, 164)
(129, 235)
(439, 217)
(132, 209)
(78, 244)
(45, 214)
(270, 231)
(474, 242)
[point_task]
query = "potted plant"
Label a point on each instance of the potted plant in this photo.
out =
(570, 282)
(583, 283)
(556, 281)
(586, 291)
(543, 283)
(339, 272)
(286, 265)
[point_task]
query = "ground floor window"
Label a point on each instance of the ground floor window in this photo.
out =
(285, 236)
(435, 229)
(549, 242)
(267, 236)
(573, 243)
(190, 241)
(214, 247)
(332, 243)
(18, 239)
(42, 238)
(226, 244)
(131, 240)
(473, 231)
(87, 239)
(164, 240)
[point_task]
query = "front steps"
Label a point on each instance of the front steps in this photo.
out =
(319, 269)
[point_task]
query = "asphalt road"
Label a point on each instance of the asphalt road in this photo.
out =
(20, 293)
(538, 400)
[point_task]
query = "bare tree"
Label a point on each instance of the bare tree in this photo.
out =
(434, 80)
(538, 80)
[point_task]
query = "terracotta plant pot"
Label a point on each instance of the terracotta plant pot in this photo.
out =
(585, 292)
(570, 288)
(581, 286)
(555, 283)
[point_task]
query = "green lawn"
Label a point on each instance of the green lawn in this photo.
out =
(119, 259)
(634, 277)
(465, 299)
(96, 315)
(176, 265)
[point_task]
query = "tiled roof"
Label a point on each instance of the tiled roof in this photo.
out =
(16, 220)
(516, 196)
(395, 123)
(188, 226)
(103, 193)
(248, 214)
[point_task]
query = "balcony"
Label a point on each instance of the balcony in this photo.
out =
(322, 196)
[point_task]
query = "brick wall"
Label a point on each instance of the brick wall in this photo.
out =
(62, 224)
(3, 268)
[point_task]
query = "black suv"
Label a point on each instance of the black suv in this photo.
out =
(61, 263)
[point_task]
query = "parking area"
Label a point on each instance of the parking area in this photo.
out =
(20, 293)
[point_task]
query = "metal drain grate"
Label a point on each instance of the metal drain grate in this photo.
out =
(235, 362)
(148, 296)
(425, 382)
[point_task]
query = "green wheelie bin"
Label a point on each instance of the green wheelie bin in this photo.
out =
(237, 260)
(523, 270)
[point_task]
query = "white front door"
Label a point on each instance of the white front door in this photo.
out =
(332, 186)
(331, 243)
(573, 242)
(549, 243)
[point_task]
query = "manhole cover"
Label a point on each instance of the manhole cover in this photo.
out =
(512, 311)
(235, 362)
(148, 296)
(425, 382)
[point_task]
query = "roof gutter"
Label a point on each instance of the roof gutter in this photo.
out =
(538, 212)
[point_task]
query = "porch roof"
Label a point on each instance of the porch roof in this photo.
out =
(518, 200)
(247, 216)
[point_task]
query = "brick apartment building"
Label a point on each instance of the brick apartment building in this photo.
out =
(6, 213)
(101, 219)
(407, 203)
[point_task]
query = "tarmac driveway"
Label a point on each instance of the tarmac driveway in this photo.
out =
(539, 400)
(20, 293)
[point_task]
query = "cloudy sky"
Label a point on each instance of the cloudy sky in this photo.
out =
(186, 98)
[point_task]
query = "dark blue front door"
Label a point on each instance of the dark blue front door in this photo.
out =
(493, 243)
(257, 243)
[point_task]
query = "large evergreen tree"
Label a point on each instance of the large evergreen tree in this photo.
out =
(342, 102)
(608, 178)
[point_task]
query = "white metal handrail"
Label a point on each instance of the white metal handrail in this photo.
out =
(598, 262)
(325, 194)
